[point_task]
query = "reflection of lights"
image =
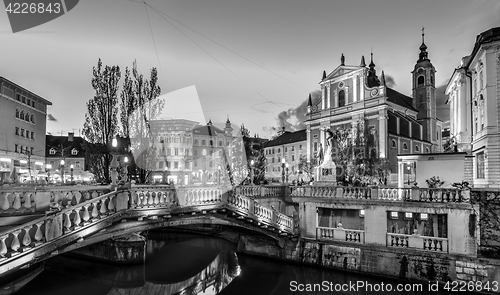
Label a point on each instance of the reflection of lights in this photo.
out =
(23, 162)
(48, 166)
(114, 142)
(4, 160)
(238, 270)
(157, 176)
(39, 163)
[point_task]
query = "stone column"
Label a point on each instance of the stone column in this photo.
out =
(383, 133)
(328, 96)
(401, 179)
(362, 88)
(355, 90)
(323, 98)
(308, 143)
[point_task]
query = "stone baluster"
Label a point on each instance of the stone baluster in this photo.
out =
(17, 201)
(111, 203)
(151, 199)
(15, 245)
(77, 219)
(67, 221)
(156, 199)
(102, 210)
(86, 214)
(6, 202)
(3, 247)
(144, 196)
(38, 233)
(95, 212)
(27, 201)
(26, 238)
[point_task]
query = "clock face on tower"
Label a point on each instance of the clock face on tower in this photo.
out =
(374, 92)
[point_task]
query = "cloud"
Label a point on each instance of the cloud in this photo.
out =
(389, 81)
(293, 118)
(51, 118)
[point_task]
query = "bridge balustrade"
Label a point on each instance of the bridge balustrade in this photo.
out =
(38, 238)
(25, 200)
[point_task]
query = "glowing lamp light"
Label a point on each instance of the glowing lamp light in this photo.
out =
(114, 142)
(23, 162)
(48, 166)
(251, 162)
(4, 160)
(62, 162)
(71, 166)
(283, 161)
(126, 160)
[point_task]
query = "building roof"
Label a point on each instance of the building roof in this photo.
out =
(399, 99)
(34, 94)
(55, 142)
(288, 137)
(209, 130)
(488, 36)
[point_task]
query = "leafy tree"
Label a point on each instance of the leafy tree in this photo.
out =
(451, 145)
(306, 167)
(101, 118)
(259, 168)
(139, 106)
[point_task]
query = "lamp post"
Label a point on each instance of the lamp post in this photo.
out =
(408, 167)
(283, 170)
(71, 167)
(218, 175)
(125, 169)
(48, 167)
(251, 171)
(114, 163)
(286, 172)
(62, 171)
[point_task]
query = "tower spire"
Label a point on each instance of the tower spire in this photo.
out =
(423, 48)
(362, 64)
(372, 78)
(324, 75)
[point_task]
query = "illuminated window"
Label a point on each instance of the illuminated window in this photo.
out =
(341, 98)
(394, 215)
(409, 215)
(423, 216)
(362, 213)
(405, 146)
(480, 165)
(74, 152)
(52, 151)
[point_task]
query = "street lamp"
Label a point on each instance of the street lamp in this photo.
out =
(114, 163)
(286, 172)
(408, 167)
(62, 171)
(48, 167)
(218, 180)
(283, 170)
(251, 171)
(71, 172)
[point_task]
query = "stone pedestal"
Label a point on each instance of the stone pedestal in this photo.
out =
(326, 172)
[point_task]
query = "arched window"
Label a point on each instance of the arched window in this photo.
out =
(17, 113)
(22, 115)
(393, 143)
(432, 80)
(426, 150)
(74, 152)
(27, 117)
(405, 146)
(52, 151)
(341, 98)
(420, 80)
(416, 148)
(32, 118)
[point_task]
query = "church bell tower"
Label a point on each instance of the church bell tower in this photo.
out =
(424, 95)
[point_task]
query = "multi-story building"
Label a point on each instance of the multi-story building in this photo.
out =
(23, 118)
(174, 148)
(66, 157)
(285, 150)
(209, 145)
(354, 96)
(473, 94)
(189, 152)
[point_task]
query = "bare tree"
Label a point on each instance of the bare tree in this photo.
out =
(101, 118)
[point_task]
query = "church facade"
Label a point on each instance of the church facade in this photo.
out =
(356, 97)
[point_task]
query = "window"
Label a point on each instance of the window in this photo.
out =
(195, 164)
(23, 99)
(22, 132)
(19, 97)
(74, 152)
(168, 152)
(393, 143)
(279, 151)
(162, 140)
(27, 117)
(220, 154)
(29, 102)
(16, 146)
(341, 98)
(426, 150)
(17, 130)
(33, 103)
(176, 153)
(220, 142)
(416, 148)
(77, 164)
(176, 165)
(211, 142)
(300, 147)
(293, 158)
(17, 113)
(293, 148)
(21, 149)
(315, 147)
(52, 151)
(420, 80)
(286, 149)
(272, 160)
(160, 165)
(480, 165)
(405, 146)
(22, 115)
(195, 152)
(32, 150)
(32, 135)
(203, 142)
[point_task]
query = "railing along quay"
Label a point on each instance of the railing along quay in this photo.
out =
(40, 238)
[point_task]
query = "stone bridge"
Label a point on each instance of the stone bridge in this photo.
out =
(82, 217)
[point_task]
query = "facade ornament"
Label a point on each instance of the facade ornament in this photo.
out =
(342, 60)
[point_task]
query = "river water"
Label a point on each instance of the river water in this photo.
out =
(188, 264)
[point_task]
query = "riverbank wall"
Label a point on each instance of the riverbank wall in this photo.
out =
(398, 263)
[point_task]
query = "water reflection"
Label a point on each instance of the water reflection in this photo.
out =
(189, 264)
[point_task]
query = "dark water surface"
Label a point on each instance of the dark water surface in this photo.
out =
(190, 264)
